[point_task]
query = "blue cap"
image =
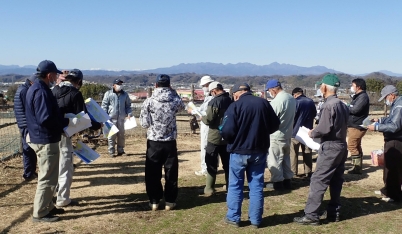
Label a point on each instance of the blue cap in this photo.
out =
(272, 84)
(163, 78)
(47, 66)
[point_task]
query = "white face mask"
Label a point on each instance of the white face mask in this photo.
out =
(388, 103)
(117, 88)
(206, 91)
(270, 94)
(352, 89)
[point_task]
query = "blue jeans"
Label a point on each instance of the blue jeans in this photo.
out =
(254, 166)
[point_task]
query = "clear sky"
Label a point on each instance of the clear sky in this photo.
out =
(352, 36)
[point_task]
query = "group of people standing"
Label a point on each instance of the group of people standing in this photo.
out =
(248, 133)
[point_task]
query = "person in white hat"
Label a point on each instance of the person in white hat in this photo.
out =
(204, 82)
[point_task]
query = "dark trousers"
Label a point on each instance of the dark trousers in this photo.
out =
(28, 156)
(211, 159)
(393, 169)
(161, 154)
(329, 172)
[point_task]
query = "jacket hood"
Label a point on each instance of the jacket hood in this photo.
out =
(164, 94)
(62, 89)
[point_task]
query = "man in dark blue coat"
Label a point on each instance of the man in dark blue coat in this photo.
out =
(246, 126)
(45, 126)
(304, 117)
(28, 154)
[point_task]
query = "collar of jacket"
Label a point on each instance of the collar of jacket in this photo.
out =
(114, 91)
(224, 92)
(357, 94)
(245, 94)
(330, 97)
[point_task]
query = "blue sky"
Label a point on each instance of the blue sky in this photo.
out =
(349, 36)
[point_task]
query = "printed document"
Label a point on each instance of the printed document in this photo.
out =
(83, 123)
(96, 113)
(85, 153)
(303, 137)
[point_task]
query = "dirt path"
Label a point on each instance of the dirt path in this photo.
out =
(111, 189)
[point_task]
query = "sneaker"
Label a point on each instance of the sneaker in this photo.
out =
(111, 155)
(121, 153)
(387, 199)
(232, 223)
(200, 173)
(56, 210)
(306, 221)
(154, 206)
(46, 218)
(32, 177)
(170, 206)
(72, 203)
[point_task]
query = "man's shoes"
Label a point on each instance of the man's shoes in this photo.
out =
(46, 218)
(278, 186)
(232, 223)
(200, 173)
(121, 153)
(56, 211)
(387, 199)
(72, 203)
(287, 184)
(111, 155)
(154, 206)
(333, 217)
(306, 221)
(170, 205)
(32, 177)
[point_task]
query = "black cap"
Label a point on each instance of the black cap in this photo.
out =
(74, 75)
(47, 66)
(117, 81)
(240, 87)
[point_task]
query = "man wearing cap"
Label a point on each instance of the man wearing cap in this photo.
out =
(246, 126)
(359, 110)
(204, 82)
(304, 117)
(216, 145)
(69, 100)
(45, 126)
(284, 106)
(331, 156)
(158, 114)
(117, 104)
(319, 105)
(28, 154)
(391, 127)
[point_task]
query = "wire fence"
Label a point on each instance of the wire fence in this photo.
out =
(10, 140)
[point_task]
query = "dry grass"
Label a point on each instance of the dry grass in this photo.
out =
(112, 198)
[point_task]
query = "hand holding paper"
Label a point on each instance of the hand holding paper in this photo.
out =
(303, 136)
(191, 106)
(77, 123)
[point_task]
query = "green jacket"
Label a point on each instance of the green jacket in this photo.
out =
(215, 112)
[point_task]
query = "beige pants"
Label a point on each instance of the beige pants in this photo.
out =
(48, 163)
(279, 160)
(294, 157)
(355, 141)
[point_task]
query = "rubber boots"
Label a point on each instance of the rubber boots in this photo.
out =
(357, 161)
(210, 185)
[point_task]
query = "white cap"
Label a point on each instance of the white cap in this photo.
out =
(214, 85)
(205, 80)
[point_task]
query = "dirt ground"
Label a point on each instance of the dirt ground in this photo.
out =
(113, 189)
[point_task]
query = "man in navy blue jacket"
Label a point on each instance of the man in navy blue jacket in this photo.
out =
(28, 154)
(304, 117)
(247, 125)
(45, 126)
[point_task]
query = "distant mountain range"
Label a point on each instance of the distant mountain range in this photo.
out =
(218, 69)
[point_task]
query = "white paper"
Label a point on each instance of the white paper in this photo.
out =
(130, 123)
(85, 153)
(367, 122)
(95, 112)
(84, 123)
(303, 137)
(109, 129)
(194, 108)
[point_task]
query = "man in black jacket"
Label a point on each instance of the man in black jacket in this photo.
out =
(69, 100)
(28, 154)
(216, 145)
(247, 126)
(359, 110)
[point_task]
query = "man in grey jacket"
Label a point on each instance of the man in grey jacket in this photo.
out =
(117, 104)
(391, 127)
(331, 155)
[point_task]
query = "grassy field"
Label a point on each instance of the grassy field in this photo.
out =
(112, 197)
